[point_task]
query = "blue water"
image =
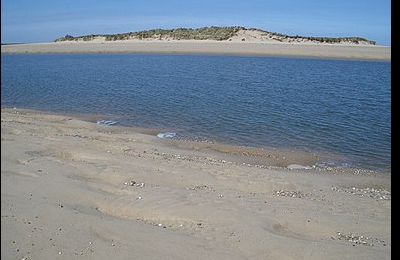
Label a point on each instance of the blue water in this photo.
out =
(329, 106)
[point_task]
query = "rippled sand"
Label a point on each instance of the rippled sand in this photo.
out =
(72, 188)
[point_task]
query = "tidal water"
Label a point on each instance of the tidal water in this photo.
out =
(338, 107)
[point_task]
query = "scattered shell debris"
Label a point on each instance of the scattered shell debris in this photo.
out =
(201, 187)
(161, 225)
(292, 194)
(299, 167)
(134, 183)
(207, 160)
(378, 194)
(357, 239)
(214, 161)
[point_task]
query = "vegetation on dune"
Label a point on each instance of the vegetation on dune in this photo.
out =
(355, 40)
(206, 33)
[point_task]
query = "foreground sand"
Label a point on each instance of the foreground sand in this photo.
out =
(378, 53)
(68, 192)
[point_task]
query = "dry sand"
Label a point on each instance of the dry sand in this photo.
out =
(68, 192)
(250, 48)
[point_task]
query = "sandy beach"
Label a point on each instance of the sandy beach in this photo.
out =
(206, 47)
(73, 189)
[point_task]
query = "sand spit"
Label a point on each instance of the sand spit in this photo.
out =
(208, 47)
(74, 189)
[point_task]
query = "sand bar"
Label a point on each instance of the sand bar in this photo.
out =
(73, 189)
(378, 53)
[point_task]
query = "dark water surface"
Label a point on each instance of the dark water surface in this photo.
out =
(327, 106)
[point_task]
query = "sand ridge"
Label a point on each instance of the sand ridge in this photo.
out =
(208, 47)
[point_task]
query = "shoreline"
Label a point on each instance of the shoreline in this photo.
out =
(345, 52)
(72, 188)
(262, 157)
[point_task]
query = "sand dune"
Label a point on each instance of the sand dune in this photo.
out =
(71, 188)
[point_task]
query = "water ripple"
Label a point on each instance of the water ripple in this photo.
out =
(339, 107)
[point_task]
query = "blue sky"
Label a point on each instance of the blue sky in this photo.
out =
(46, 20)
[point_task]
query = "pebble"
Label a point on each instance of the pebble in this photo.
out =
(360, 239)
(134, 183)
(201, 187)
(292, 194)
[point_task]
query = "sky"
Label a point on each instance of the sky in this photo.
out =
(45, 20)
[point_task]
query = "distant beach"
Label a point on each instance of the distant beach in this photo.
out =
(208, 47)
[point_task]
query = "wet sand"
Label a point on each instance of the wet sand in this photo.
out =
(324, 51)
(73, 189)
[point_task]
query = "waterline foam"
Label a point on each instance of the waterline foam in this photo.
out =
(166, 135)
